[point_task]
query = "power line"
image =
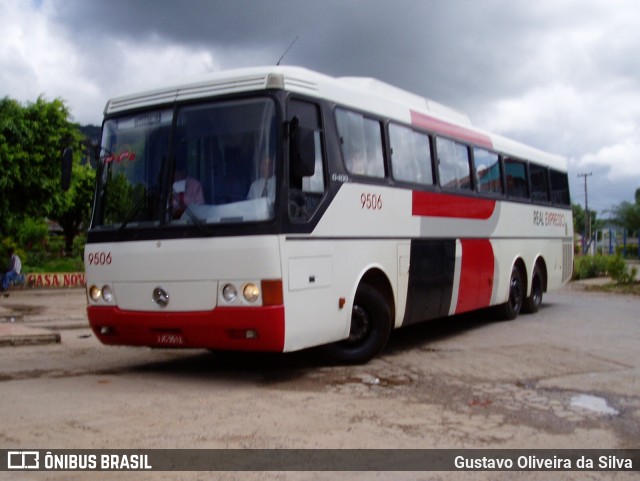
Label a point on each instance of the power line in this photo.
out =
(586, 206)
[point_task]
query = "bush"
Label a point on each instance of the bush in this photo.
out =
(617, 269)
(39, 250)
(632, 250)
(588, 267)
(32, 236)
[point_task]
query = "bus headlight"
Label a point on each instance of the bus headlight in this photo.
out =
(251, 292)
(95, 293)
(229, 292)
(107, 294)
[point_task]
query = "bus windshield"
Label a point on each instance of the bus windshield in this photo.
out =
(213, 163)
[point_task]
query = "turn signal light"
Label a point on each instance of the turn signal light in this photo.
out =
(272, 292)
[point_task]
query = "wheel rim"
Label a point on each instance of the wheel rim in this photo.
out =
(515, 292)
(360, 325)
(536, 291)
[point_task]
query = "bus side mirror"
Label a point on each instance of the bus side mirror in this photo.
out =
(67, 162)
(303, 152)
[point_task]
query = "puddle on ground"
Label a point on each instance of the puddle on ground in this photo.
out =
(593, 403)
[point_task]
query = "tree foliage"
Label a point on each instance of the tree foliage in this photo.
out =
(580, 219)
(74, 208)
(627, 214)
(32, 138)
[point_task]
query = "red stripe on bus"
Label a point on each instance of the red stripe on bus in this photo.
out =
(435, 204)
(457, 132)
(476, 275)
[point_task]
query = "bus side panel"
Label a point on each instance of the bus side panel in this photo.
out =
(320, 281)
(449, 276)
(431, 279)
(476, 277)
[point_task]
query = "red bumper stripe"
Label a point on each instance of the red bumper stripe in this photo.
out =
(222, 328)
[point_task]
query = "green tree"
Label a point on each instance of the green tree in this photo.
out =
(73, 208)
(32, 138)
(580, 219)
(627, 214)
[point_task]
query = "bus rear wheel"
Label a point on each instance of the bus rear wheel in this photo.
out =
(534, 301)
(510, 309)
(369, 332)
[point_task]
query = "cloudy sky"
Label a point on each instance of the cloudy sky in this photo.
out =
(561, 75)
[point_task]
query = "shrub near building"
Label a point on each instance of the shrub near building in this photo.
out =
(588, 267)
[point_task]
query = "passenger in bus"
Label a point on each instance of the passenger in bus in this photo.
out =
(186, 191)
(265, 185)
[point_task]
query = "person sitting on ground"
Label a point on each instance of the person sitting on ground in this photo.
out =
(13, 269)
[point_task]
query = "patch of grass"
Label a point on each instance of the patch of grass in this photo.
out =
(613, 288)
(61, 264)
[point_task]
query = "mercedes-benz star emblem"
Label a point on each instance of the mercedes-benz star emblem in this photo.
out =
(160, 297)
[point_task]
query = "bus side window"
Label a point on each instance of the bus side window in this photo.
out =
(410, 155)
(487, 171)
(306, 188)
(361, 139)
(539, 183)
(560, 188)
(453, 164)
(515, 172)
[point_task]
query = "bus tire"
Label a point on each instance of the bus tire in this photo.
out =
(370, 329)
(534, 301)
(510, 309)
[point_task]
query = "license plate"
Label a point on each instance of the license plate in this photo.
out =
(170, 339)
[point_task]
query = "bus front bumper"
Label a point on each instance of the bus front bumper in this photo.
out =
(225, 328)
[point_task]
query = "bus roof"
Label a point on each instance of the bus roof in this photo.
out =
(365, 94)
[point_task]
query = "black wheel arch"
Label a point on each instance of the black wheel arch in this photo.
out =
(377, 279)
(541, 265)
(373, 309)
(522, 267)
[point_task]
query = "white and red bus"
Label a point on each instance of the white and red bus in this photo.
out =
(276, 208)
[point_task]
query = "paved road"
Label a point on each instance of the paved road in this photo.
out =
(567, 377)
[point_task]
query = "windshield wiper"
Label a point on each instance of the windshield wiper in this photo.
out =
(137, 209)
(197, 221)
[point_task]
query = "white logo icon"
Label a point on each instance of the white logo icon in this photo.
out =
(23, 460)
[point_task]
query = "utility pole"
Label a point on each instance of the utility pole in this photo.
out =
(586, 209)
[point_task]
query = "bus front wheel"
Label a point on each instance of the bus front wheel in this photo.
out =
(369, 332)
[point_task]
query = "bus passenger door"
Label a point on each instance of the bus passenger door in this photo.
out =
(311, 296)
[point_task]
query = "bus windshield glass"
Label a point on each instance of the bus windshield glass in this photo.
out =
(134, 149)
(224, 162)
(214, 164)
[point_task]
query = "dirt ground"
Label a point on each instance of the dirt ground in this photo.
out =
(566, 377)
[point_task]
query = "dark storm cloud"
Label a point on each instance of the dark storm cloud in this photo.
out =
(559, 75)
(465, 53)
(437, 49)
